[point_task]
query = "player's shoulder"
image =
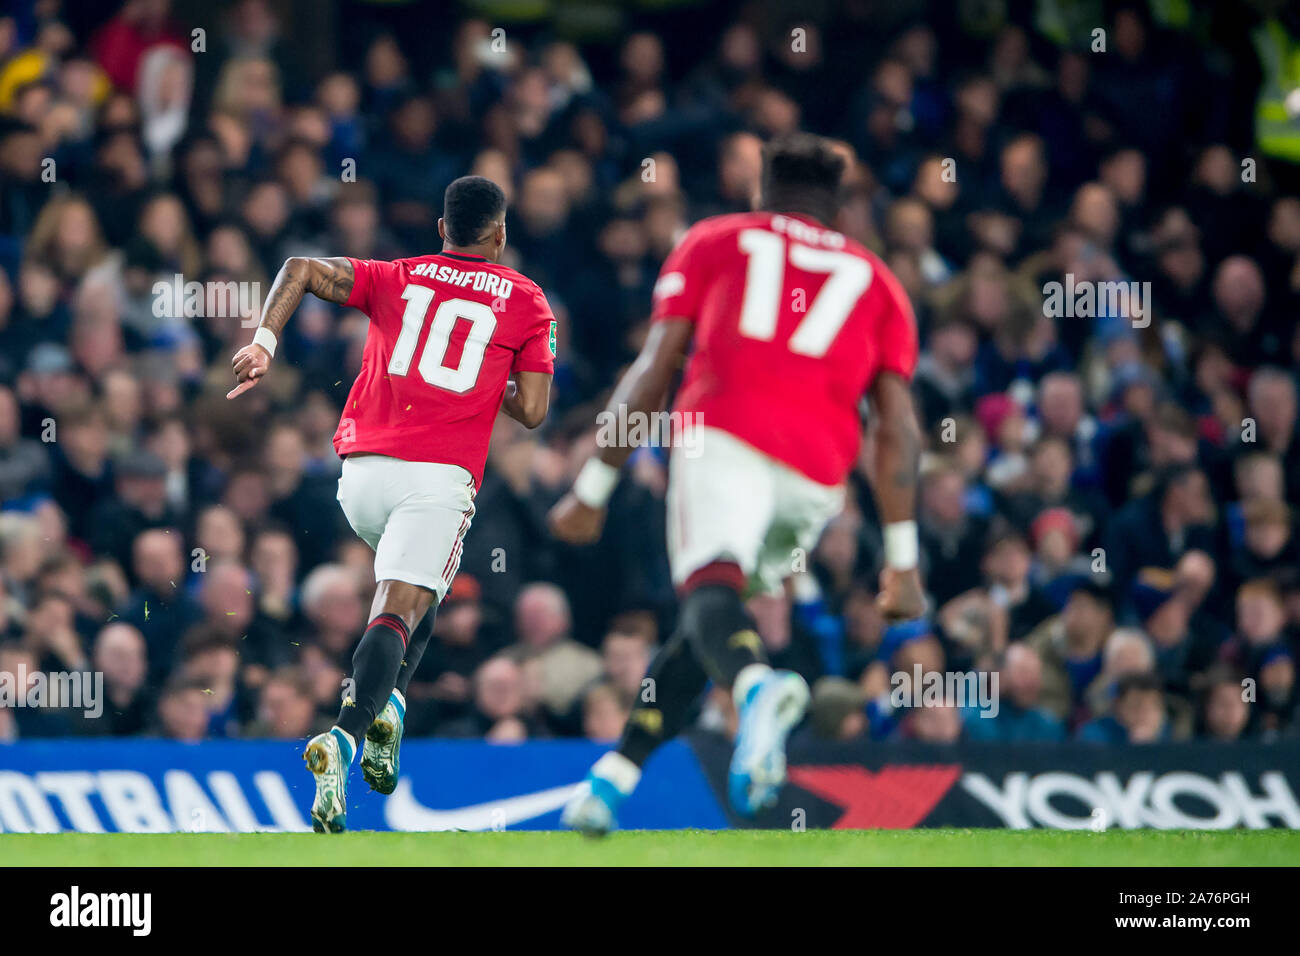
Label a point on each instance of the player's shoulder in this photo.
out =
(714, 233)
(518, 278)
(512, 275)
(884, 275)
(724, 222)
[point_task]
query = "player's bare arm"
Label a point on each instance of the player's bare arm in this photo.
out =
(892, 473)
(580, 514)
(528, 397)
(328, 279)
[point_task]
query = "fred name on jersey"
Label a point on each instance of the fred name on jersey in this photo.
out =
(801, 231)
(478, 279)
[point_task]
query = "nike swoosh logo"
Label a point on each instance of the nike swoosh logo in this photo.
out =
(402, 811)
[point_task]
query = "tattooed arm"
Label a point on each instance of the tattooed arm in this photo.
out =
(892, 472)
(328, 279)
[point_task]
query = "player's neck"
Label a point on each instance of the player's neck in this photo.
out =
(479, 251)
(793, 209)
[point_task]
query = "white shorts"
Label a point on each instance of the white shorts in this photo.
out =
(413, 513)
(727, 501)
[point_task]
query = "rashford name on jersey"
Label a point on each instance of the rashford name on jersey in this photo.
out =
(477, 279)
(446, 333)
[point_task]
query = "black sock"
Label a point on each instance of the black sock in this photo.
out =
(375, 664)
(415, 650)
(721, 632)
(663, 707)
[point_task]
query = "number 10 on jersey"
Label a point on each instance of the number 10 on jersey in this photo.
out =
(461, 378)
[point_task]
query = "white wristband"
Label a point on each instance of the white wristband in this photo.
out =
(265, 338)
(901, 546)
(595, 483)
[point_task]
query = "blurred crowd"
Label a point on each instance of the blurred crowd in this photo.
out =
(1107, 496)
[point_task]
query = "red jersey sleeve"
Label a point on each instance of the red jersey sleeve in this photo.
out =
(537, 353)
(682, 280)
(363, 282)
(896, 339)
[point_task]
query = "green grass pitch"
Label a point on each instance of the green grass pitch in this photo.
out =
(666, 848)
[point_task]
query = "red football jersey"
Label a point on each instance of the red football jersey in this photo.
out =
(793, 321)
(446, 332)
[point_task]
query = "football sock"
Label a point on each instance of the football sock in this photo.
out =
(398, 700)
(414, 651)
(347, 743)
(375, 664)
(616, 772)
(749, 675)
(721, 632)
(662, 708)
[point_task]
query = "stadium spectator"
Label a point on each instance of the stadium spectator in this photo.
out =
(159, 607)
(23, 463)
(625, 656)
(1133, 466)
(119, 653)
(838, 709)
(1070, 645)
(183, 712)
(565, 667)
(285, 707)
(933, 724)
(1224, 711)
(604, 712)
(333, 609)
(1139, 714)
(209, 660)
(1019, 716)
(499, 709)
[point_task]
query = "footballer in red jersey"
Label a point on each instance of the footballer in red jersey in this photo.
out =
(454, 338)
(819, 318)
(789, 324)
(447, 333)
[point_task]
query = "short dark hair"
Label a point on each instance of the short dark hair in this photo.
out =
(1171, 476)
(1099, 590)
(801, 172)
(202, 638)
(468, 206)
(1144, 682)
